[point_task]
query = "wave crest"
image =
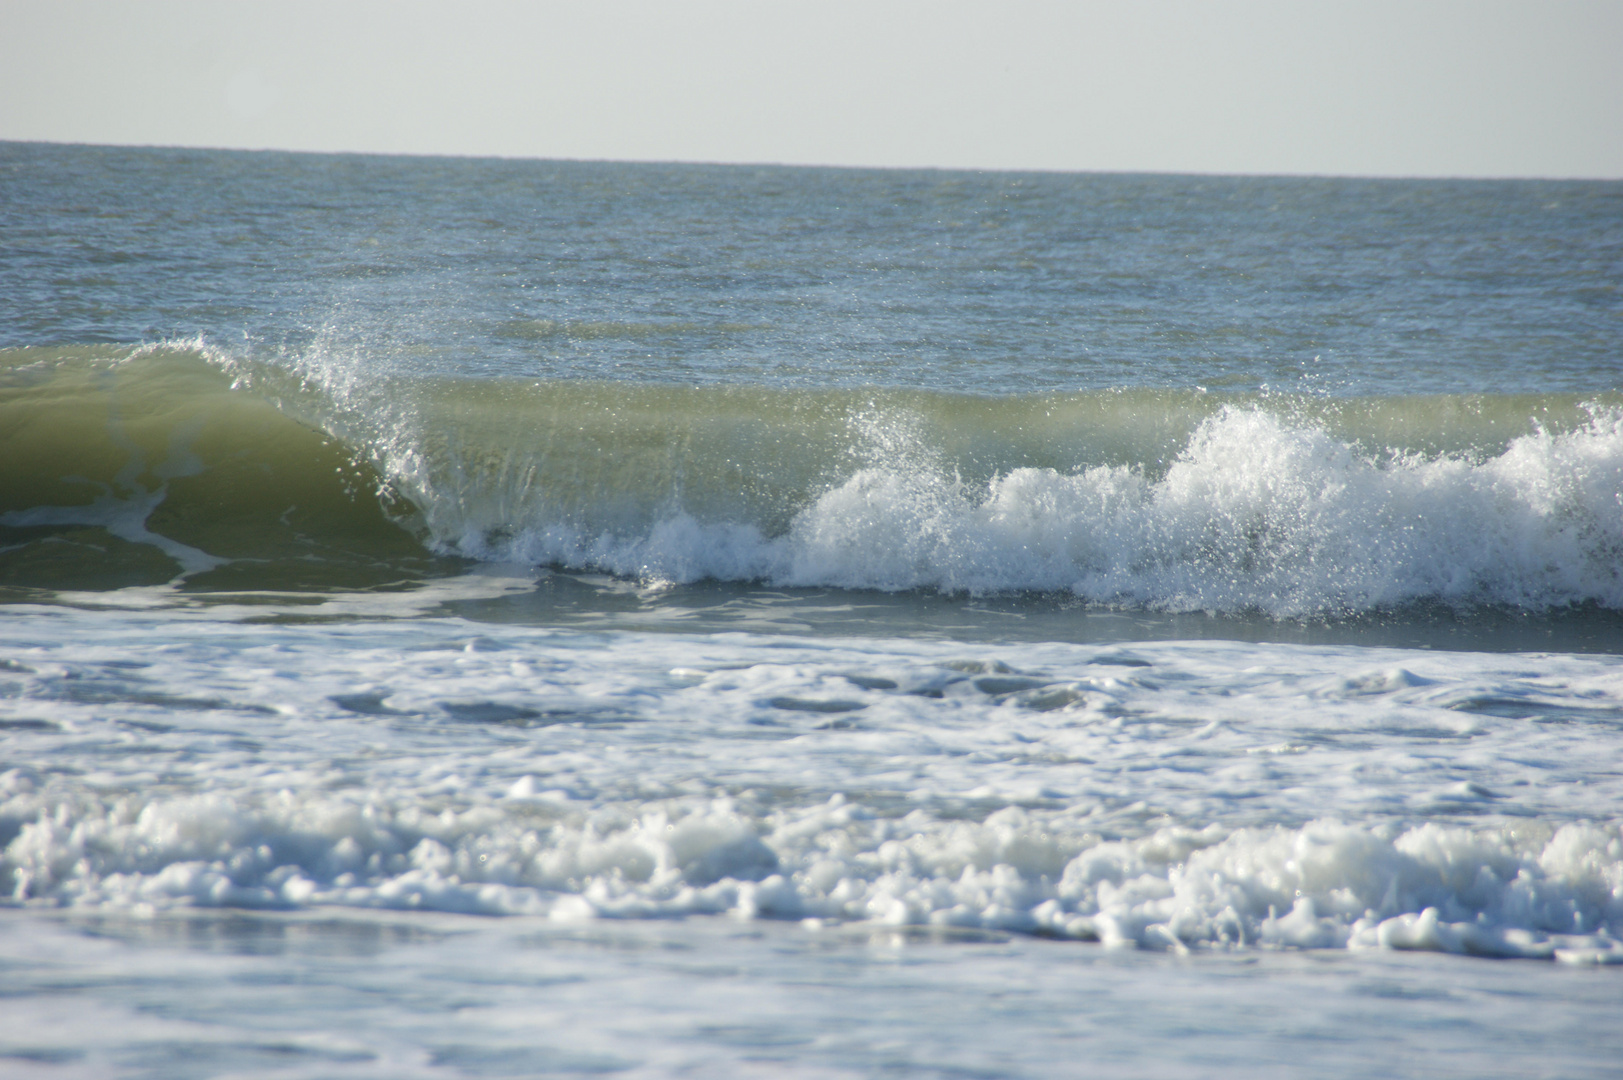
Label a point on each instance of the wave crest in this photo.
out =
(1257, 513)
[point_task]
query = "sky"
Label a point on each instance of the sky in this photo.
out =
(1368, 88)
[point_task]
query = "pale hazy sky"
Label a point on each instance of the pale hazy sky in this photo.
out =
(1414, 88)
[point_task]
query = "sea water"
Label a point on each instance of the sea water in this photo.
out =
(482, 618)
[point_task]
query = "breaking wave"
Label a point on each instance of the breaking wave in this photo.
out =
(220, 469)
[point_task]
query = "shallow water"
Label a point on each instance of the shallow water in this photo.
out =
(437, 996)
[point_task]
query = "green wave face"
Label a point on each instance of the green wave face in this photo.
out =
(121, 469)
(181, 463)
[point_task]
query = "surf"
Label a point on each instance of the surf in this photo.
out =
(185, 461)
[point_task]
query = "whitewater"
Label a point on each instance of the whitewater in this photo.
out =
(470, 618)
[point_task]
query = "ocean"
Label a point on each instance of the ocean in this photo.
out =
(476, 618)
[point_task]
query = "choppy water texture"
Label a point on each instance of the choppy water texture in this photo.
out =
(826, 622)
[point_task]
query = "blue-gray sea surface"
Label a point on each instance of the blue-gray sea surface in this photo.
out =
(486, 618)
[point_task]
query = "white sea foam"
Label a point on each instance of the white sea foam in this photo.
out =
(1193, 795)
(1493, 891)
(1257, 513)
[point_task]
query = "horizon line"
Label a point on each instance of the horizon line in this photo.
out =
(847, 167)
